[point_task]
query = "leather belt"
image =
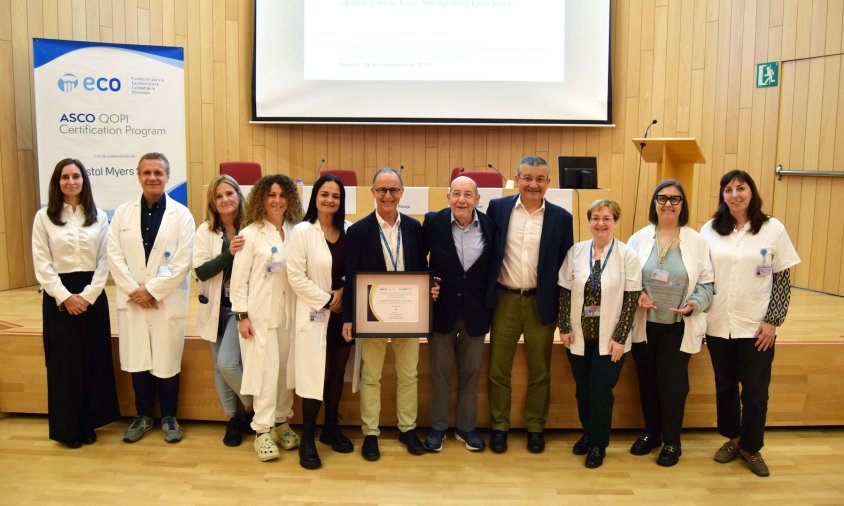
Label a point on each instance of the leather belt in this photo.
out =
(529, 292)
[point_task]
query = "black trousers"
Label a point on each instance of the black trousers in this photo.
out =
(336, 356)
(595, 376)
(81, 393)
(663, 372)
(146, 387)
(737, 361)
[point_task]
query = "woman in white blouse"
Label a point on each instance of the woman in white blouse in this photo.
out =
(752, 255)
(263, 305)
(215, 246)
(316, 268)
(600, 283)
(69, 252)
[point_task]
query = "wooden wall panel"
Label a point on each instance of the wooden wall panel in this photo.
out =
(690, 64)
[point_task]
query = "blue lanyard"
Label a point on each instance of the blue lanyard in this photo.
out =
(393, 259)
(601, 272)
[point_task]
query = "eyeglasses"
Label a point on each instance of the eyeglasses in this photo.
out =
(466, 195)
(529, 180)
(381, 191)
(599, 219)
(664, 199)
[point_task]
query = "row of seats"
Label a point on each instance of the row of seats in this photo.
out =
(248, 173)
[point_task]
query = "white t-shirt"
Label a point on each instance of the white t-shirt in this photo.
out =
(743, 278)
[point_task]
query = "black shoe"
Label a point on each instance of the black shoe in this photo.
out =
(369, 450)
(581, 447)
(308, 455)
(331, 435)
(669, 456)
(90, 439)
(498, 441)
(535, 442)
(246, 423)
(595, 457)
(411, 440)
(645, 443)
(233, 435)
(73, 444)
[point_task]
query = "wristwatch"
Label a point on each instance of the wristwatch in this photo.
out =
(241, 316)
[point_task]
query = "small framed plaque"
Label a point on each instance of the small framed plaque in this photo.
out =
(393, 304)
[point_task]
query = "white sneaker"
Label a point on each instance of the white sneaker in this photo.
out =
(265, 448)
(284, 436)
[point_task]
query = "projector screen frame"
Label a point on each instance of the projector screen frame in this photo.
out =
(340, 120)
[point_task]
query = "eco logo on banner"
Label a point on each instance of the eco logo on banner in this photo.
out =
(106, 105)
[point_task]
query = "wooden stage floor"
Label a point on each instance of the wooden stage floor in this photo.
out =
(806, 388)
(805, 470)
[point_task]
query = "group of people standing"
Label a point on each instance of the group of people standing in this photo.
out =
(277, 291)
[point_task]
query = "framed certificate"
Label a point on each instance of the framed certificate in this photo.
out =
(393, 304)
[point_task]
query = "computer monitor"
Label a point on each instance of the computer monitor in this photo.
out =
(580, 172)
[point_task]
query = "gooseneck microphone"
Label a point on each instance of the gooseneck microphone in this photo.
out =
(652, 123)
(319, 166)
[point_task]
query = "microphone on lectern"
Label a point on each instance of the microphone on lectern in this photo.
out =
(652, 123)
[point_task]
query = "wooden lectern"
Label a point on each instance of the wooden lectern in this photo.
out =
(675, 159)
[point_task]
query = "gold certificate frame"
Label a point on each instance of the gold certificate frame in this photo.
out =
(393, 304)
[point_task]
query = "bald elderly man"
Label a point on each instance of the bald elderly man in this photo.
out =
(460, 240)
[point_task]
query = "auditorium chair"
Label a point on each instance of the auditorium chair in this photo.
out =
(454, 173)
(348, 177)
(484, 179)
(244, 173)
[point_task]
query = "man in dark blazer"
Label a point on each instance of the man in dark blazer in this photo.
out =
(460, 240)
(531, 241)
(385, 240)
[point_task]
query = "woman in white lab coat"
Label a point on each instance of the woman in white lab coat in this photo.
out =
(316, 268)
(600, 283)
(216, 244)
(753, 257)
(69, 253)
(674, 258)
(263, 305)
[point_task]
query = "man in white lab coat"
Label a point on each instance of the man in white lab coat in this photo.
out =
(150, 247)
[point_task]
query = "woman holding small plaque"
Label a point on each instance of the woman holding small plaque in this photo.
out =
(677, 281)
(316, 268)
(262, 301)
(69, 253)
(752, 254)
(601, 280)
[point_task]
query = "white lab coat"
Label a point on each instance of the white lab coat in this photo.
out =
(695, 253)
(151, 339)
(309, 271)
(209, 244)
(266, 296)
(622, 273)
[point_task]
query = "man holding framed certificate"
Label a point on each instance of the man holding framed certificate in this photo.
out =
(385, 241)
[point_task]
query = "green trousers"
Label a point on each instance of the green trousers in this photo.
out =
(515, 315)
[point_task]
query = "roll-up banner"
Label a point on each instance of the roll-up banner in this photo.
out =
(106, 105)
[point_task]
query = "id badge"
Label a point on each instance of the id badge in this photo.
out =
(763, 270)
(317, 316)
(227, 290)
(164, 271)
(273, 266)
(660, 275)
(592, 311)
